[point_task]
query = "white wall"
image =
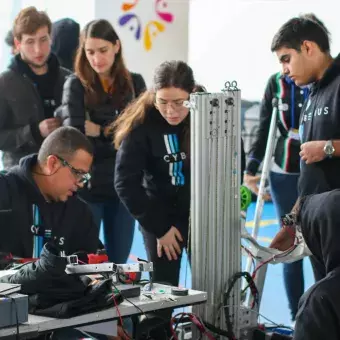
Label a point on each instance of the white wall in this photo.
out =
(81, 11)
(172, 43)
(230, 39)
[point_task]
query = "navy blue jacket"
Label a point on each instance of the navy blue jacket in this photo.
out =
(320, 120)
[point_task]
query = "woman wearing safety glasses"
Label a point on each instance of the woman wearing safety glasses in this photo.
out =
(152, 176)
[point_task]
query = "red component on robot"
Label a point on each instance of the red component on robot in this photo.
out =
(97, 258)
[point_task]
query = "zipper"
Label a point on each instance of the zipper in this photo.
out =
(41, 111)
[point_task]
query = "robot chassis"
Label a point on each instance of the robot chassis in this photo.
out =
(217, 229)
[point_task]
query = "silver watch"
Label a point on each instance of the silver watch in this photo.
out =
(329, 149)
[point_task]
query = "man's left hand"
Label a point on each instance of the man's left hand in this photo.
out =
(312, 152)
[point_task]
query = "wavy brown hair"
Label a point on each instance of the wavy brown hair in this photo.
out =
(29, 20)
(168, 74)
(94, 92)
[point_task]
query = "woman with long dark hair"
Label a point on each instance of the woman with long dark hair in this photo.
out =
(93, 98)
(152, 176)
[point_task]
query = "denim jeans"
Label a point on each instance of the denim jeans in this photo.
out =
(118, 227)
(284, 194)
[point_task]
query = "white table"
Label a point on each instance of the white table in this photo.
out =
(38, 325)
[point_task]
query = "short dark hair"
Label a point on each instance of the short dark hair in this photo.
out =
(29, 20)
(64, 142)
(296, 30)
(313, 17)
(9, 39)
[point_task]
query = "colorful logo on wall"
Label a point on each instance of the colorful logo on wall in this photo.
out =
(152, 28)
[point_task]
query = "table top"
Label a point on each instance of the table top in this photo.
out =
(161, 298)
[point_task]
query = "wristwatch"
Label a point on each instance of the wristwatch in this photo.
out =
(329, 149)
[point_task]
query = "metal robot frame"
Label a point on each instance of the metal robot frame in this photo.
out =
(216, 227)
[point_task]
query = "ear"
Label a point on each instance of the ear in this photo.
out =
(308, 47)
(52, 164)
(17, 44)
(117, 46)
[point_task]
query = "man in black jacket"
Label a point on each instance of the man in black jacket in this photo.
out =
(30, 89)
(302, 46)
(38, 201)
(318, 216)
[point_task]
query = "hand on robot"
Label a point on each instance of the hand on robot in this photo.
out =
(251, 182)
(284, 239)
(169, 243)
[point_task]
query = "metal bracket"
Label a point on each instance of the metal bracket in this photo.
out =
(109, 267)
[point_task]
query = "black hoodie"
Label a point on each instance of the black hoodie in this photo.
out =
(65, 40)
(70, 222)
(45, 84)
(318, 317)
(22, 107)
(152, 176)
(320, 120)
(56, 294)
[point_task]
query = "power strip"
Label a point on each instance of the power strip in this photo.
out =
(9, 312)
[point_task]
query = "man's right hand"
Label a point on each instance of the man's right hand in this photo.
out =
(251, 182)
(169, 243)
(48, 125)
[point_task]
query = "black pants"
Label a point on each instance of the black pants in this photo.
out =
(164, 271)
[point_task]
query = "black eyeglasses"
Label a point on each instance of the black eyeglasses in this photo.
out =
(80, 175)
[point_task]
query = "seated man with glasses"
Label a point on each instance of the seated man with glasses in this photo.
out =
(38, 201)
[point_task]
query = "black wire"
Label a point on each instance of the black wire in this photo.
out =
(216, 330)
(125, 298)
(232, 282)
(3, 292)
(46, 175)
(180, 320)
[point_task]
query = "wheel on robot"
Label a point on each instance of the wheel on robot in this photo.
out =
(245, 197)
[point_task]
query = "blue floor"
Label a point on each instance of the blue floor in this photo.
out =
(274, 303)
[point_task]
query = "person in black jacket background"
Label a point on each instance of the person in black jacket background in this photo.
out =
(31, 88)
(38, 201)
(285, 169)
(65, 40)
(152, 176)
(318, 218)
(9, 40)
(302, 46)
(319, 312)
(93, 97)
